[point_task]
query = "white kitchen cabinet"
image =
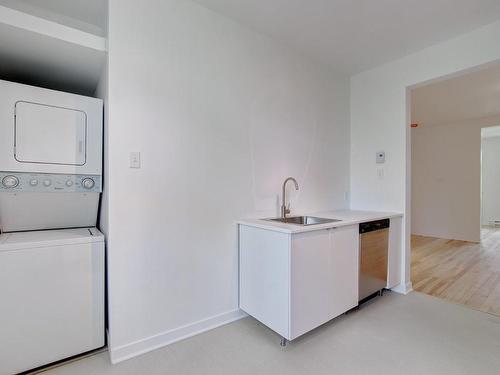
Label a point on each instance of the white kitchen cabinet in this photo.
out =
(294, 282)
(265, 277)
(324, 277)
(394, 255)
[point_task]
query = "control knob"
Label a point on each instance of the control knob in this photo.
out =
(88, 183)
(10, 181)
(47, 182)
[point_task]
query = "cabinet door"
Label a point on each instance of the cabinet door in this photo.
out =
(345, 270)
(324, 277)
(264, 277)
(395, 245)
(311, 281)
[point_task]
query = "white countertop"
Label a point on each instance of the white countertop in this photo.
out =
(347, 217)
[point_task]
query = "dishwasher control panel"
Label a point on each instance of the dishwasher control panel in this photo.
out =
(374, 225)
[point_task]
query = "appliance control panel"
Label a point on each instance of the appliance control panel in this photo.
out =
(49, 183)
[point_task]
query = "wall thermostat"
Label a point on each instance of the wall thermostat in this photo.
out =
(380, 157)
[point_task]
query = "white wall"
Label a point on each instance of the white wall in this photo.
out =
(380, 120)
(491, 179)
(221, 116)
(446, 180)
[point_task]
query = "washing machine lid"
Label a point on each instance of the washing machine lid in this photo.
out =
(48, 238)
(49, 135)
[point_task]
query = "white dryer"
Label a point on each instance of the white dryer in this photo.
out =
(52, 296)
(50, 158)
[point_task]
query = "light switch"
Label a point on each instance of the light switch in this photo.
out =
(380, 173)
(135, 160)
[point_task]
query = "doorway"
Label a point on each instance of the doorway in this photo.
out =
(490, 177)
(455, 242)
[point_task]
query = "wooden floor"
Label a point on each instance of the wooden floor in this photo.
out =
(462, 272)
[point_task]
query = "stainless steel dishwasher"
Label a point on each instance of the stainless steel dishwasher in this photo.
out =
(373, 257)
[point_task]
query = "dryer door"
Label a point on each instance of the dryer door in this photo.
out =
(49, 135)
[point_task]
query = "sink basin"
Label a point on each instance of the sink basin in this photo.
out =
(304, 220)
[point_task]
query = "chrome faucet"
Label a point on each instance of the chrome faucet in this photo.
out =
(284, 209)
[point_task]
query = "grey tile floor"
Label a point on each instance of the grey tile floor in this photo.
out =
(393, 334)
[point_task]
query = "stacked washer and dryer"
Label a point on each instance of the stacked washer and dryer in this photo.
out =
(51, 254)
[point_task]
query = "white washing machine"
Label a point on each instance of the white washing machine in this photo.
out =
(51, 279)
(52, 296)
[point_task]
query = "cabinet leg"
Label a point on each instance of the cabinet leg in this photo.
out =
(283, 342)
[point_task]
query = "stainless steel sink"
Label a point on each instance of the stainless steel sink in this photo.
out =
(304, 220)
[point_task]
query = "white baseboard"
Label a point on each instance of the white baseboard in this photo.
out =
(133, 349)
(403, 288)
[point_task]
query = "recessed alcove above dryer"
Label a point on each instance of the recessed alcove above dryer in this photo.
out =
(42, 48)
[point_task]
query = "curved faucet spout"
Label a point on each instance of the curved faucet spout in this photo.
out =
(284, 209)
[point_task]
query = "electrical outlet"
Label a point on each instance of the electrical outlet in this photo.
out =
(135, 160)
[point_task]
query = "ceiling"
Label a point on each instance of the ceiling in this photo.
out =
(470, 96)
(86, 15)
(347, 35)
(354, 35)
